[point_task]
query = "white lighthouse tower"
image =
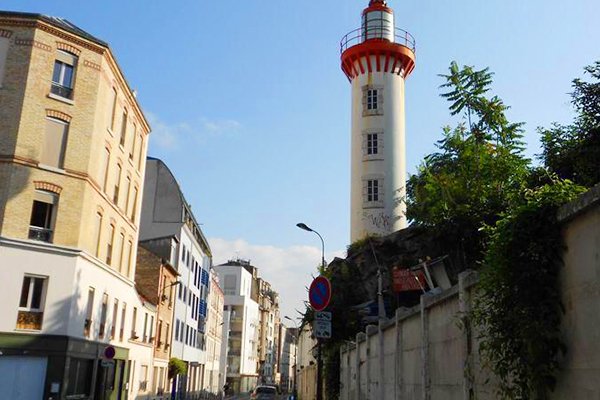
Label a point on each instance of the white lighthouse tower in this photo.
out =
(377, 58)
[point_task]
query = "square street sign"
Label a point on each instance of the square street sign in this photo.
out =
(323, 316)
(322, 329)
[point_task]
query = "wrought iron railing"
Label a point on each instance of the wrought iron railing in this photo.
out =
(381, 32)
(40, 234)
(62, 91)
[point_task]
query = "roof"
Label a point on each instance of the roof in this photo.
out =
(58, 22)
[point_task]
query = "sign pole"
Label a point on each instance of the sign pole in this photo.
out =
(319, 370)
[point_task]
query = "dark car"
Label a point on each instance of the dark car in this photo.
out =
(264, 393)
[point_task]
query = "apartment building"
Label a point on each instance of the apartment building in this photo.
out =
(306, 369)
(157, 280)
(166, 213)
(268, 301)
(73, 143)
(216, 300)
(237, 277)
(287, 364)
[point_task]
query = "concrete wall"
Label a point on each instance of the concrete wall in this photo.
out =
(428, 356)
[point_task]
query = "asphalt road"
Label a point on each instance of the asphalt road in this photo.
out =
(246, 396)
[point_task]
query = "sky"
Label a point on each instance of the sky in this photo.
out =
(251, 112)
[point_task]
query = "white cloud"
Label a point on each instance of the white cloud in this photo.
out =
(289, 270)
(170, 136)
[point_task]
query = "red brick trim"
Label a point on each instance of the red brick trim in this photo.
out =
(50, 187)
(34, 43)
(92, 65)
(5, 33)
(58, 115)
(68, 48)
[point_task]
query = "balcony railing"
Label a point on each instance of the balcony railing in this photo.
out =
(380, 32)
(40, 234)
(62, 91)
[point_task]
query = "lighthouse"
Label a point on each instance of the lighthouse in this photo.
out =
(377, 58)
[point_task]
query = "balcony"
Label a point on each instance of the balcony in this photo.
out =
(30, 320)
(380, 32)
(62, 91)
(40, 234)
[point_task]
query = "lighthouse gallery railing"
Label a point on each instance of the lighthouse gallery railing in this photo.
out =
(361, 35)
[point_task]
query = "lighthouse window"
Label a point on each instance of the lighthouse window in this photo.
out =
(372, 99)
(372, 144)
(373, 190)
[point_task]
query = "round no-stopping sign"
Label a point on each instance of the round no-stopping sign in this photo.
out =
(319, 293)
(109, 352)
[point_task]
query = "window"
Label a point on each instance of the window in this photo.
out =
(133, 322)
(87, 327)
(55, 143)
(80, 377)
(129, 250)
(123, 128)
(141, 153)
(159, 333)
(43, 212)
(115, 314)
(127, 191)
(64, 74)
(121, 252)
(4, 44)
(144, 378)
(176, 329)
(135, 196)
(373, 190)
(144, 337)
(132, 149)
(123, 317)
(372, 144)
(103, 315)
(105, 163)
(117, 184)
(150, 337)
(167, 337)
(98, 232)
(113, 111)
(109, 244)
(31, 303)
(371, 99)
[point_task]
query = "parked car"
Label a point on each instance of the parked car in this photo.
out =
(264, 393)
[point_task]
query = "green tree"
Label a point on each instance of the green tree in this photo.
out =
(478, 171)
(572, 151)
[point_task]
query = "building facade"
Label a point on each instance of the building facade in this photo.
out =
(73, 142)
(268, 301)
(214, 334)
(244, 322)
(166, 213)
(157, 280)
(377, 59)
(306, 370)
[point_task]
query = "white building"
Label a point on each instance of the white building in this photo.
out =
(243, 354)
(165, 212)
(376, 61)
(214, 337)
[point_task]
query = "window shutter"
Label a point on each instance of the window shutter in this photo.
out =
(55, 142)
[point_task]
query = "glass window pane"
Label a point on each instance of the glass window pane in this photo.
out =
(25, 291)
(36, 298)
(68, 75)
(57, 70)
(40, 214)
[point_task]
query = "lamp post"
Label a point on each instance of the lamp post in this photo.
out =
(297, 337)
(320, 352)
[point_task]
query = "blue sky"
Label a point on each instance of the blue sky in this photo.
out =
(251, 111)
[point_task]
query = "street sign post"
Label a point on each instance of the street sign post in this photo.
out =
(109, 352)
(323, 316)
(319, 293)
(322, 329)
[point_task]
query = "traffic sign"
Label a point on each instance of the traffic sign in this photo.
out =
(322, 329)
(323, 316)
(109, 352)
(107, 363)
(319, 293)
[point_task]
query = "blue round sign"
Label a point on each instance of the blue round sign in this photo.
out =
(319, 293)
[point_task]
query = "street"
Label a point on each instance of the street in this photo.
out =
(246, 396)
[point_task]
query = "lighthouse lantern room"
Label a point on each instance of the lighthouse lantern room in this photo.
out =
(377, 58)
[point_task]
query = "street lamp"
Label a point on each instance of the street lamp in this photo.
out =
(320, 354)
(303, 226)
(294, 389)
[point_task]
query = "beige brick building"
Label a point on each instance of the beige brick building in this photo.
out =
(73, 143)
